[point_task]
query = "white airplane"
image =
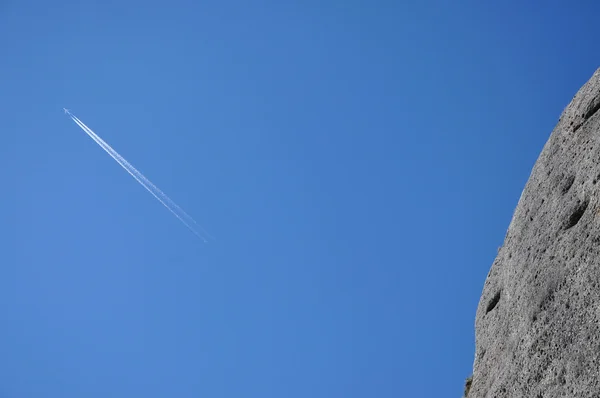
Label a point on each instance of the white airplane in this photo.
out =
(66, 111)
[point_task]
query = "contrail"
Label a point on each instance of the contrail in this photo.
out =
(129, 167)
(153, 189)
(187, 220)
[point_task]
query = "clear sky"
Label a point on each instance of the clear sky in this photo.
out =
(358, 163)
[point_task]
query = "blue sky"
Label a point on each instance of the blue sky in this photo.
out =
(358, 163)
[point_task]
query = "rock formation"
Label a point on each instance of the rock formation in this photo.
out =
(538, 320)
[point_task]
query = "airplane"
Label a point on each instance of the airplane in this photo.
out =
(66, 111)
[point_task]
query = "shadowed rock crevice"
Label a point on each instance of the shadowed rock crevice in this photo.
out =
(588, 114)
(567, 184)
(591, 111)
(494, 301)
(576, 214)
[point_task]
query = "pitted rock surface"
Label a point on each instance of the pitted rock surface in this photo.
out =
(538, 320)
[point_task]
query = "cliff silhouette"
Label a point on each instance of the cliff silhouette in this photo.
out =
(537, 326)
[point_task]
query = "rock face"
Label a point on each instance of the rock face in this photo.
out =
(538, 320)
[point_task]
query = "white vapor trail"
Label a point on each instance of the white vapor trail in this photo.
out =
(130, 168)
(187, 220)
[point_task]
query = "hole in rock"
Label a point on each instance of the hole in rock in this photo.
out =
(576, 214)
(493, 302)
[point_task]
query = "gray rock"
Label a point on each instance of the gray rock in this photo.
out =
(538, 320)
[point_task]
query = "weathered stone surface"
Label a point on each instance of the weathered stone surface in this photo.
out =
(538, 320)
